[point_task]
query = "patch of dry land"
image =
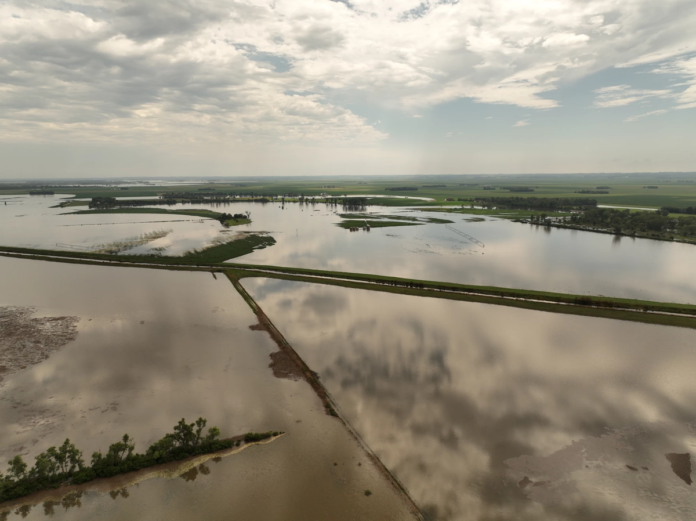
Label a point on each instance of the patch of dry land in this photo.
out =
(26, 341)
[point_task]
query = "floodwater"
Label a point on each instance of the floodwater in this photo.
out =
(155, 346)
(30, 222)
(514, 254)
(487, 412)
(502, 253)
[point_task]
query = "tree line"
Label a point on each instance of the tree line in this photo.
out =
(689, 210)
(65, 464)
(224, 217)
(625, 222)
(553, 204)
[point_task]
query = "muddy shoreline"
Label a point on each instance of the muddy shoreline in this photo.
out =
(27, 340)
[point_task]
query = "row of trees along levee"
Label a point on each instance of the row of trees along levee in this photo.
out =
(64, 465)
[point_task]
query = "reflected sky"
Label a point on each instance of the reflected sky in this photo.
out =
(464, 400)
(30, 222)
(515, 255)
(153, 347)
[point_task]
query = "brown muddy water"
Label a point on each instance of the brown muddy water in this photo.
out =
(152, 347)
(494, 413)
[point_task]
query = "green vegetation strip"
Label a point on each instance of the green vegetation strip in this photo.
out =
(676, 190)
(682, 315)
(64, 465)
(212, 255)
(228, 250)
(674, 314)
(356, 220)
(374, 224)
(207, 214)
(503, 214)
(194, 213)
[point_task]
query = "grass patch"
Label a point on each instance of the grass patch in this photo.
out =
(350, 223)
(209, 256)
(382, 221)
(229, 250)
(208, 214)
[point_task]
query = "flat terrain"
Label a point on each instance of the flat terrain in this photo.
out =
(673, 189)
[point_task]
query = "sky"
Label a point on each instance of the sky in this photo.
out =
(109, 88)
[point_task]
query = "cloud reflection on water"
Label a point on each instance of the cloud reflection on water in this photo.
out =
(447, 392)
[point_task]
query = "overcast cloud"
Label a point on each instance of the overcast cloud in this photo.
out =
(257, 71)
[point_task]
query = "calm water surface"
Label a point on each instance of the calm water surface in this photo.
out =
(486, 412)
(30, 222)
(515, 255)
(156, 346)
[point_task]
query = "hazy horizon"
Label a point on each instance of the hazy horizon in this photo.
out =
(213, 88)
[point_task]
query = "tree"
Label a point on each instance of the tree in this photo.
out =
(200, 425)
(45, 466)
(213, 434)
(120, 451)
(162, 447)
(17, 468)
(184, 435)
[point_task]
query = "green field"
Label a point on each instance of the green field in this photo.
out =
(674, 189)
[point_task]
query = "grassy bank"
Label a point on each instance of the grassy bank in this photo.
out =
(382, 221)
(210, 256)
(229, 250)
(684, 315)
(208, 214)
(576, 305)
(359, 223)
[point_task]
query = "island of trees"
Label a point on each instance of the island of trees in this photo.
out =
(64, 465)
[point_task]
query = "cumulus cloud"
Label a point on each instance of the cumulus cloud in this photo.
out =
(521, 123)
(283, 70)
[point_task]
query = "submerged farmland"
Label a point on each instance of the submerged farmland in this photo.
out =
(434, 366)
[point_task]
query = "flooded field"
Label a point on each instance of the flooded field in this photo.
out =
(30, 222)
(486, 412)
(508, 254)
(150, 347)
